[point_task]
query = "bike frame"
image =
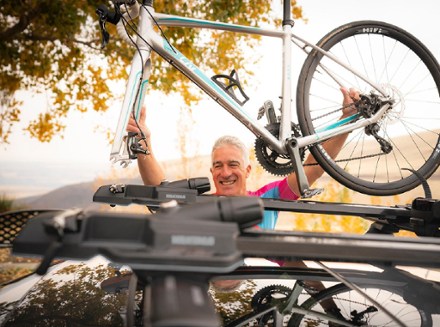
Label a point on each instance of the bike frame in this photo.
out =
(149, 40)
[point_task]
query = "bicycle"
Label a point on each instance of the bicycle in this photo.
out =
(372, 298)
(399, 77)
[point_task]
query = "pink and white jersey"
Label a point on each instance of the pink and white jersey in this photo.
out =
(274, 190)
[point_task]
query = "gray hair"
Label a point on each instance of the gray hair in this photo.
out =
(234, 141)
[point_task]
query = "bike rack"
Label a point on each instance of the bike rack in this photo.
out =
(421, 217)
(196, 237)
(225, 220)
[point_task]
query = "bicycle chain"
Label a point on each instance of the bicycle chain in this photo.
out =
(336, 110)
(350, 159)
(341, 160)
(349, 300)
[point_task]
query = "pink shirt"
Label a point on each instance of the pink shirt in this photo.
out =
(274, 190)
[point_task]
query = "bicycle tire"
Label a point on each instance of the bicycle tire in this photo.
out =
(379, 50)
(348, 300)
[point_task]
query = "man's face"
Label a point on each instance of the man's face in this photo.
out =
(229, 172)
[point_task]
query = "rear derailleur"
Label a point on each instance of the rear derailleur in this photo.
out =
(368, 105)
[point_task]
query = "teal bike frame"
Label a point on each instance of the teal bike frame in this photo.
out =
(149, 40)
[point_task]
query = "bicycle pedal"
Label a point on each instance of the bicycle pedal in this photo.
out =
(311, 192)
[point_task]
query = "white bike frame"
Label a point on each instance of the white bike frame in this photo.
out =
(149, 40)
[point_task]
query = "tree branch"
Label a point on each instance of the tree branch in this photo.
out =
(35, 37)
(22, 24)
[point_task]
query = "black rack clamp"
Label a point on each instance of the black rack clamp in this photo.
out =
(427, 220)
(200, 237)
(182, 191)
(175, 251)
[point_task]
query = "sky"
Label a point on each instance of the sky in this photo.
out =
(28, 167)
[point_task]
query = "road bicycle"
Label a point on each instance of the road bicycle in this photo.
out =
(284, 297)
(394, 135)
(373, 297)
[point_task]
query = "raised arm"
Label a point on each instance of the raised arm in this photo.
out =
(150, 169)
(332, 146)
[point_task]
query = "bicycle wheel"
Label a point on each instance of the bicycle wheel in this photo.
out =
(357, 310)
(410, 75)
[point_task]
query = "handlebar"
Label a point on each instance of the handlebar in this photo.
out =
(117, 18)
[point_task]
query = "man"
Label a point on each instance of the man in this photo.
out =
(230, 164)
(230, 170)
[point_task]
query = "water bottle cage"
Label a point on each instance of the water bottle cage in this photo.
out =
(232, 83)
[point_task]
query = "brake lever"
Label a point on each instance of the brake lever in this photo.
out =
(105, 34)
(105, 15)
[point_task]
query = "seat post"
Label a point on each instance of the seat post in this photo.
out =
(287, 16)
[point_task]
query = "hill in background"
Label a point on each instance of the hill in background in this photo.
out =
(80, 195)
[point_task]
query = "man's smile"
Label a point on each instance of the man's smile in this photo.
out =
(227, 182)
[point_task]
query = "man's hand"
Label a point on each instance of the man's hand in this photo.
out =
(143, 132)
(149, 168)
(132, 126)
(350, 96)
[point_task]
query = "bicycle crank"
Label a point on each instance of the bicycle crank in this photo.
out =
(272, 161)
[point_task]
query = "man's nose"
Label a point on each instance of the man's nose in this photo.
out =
(225, 171)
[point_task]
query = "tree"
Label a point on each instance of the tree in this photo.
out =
(54, 47)
(72, 297)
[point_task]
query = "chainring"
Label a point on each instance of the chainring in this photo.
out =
(269, 296)
(272, 161)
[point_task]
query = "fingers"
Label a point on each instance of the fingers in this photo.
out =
(143, 114)
(347, 99)
(132, 126)
(354, 94)
(349, 95)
